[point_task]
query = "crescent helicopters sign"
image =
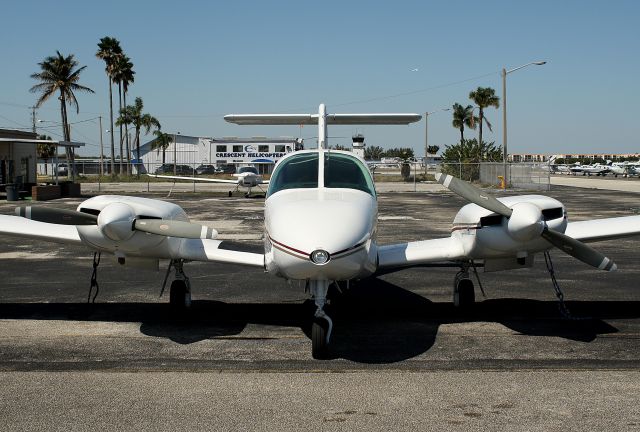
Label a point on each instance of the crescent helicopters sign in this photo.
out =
(251, 152)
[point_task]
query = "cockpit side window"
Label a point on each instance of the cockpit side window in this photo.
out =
(298, 171)
(345, 171)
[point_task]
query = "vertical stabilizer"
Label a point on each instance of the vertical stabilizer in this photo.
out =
(322, 127)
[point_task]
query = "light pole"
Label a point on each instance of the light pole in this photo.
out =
(426, 133)
(505, 72)
(175, 152)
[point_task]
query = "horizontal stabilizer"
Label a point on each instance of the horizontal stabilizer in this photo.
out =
(312, 119)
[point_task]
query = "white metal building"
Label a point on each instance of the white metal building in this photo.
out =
(194, 151)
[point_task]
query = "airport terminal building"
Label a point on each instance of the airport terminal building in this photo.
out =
(193, 151)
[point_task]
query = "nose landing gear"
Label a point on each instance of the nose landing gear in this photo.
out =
(322, 324)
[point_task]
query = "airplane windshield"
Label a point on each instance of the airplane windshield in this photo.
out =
(345, 171)
(248, 169)
(298, 171)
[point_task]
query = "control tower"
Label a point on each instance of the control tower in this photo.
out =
(358, 145)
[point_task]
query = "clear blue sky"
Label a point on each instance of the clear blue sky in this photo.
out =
(196, 61)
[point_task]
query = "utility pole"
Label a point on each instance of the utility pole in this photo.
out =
(101, 149)
(33, 118)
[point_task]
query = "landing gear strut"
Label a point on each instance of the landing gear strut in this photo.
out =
(180, 291)
(463, 290)
(322, 324)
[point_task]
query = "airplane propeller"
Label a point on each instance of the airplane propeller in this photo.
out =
(527, 223)
(56, 216)
(164, 227)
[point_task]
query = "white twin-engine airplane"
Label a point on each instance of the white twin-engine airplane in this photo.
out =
(246, 177)
(320, 222)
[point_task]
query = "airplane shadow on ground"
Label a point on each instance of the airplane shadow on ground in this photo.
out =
(374, 321)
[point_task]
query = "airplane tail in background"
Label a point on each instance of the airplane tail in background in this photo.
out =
(322, 119)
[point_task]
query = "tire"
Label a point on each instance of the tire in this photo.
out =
(464, 296)
(230, 194)
(319, 346)
(179, 297)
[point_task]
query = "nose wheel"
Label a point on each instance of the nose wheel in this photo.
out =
(322, 324)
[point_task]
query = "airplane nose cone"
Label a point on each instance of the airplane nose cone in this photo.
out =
(331, 225)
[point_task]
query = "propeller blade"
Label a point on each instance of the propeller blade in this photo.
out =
(578, 250)
(56, 216)
(473, 194)
(173, 228)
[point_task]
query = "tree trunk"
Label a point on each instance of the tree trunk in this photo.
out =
(126, 126)
(480, 131)
(138, 151)
(163, 150)
(113, 148)
(461, 134)
(119, 112)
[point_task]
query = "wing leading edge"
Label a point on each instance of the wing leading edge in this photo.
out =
(420, 252)
(21, 227)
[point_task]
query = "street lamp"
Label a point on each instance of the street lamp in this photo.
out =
(505, 72)
(426, 133)
(175, 152)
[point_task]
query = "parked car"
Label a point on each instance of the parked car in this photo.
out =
(182, 170)
(63, 169)
(228, 169)
(207, 169)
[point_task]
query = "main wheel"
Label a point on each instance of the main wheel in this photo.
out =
(464, 295)
(230, 194)
(319, 345)
(179, 295)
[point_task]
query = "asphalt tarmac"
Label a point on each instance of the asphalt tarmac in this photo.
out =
(402, 358)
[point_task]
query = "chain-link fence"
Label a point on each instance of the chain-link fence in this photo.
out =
(518, 175)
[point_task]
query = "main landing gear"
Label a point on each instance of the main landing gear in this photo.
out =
(322, 324)
(180, 291)
(464, 295)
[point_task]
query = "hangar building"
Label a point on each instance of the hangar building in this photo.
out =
(194, 151)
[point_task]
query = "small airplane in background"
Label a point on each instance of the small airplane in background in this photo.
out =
(320, 227)
(246, 177)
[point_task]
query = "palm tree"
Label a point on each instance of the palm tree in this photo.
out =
(484, 97)
(463, 116)
(162, 141)
(59, 74)
(133, 114)
(123, 74)
(108, 49)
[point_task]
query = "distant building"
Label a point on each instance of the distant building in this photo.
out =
(533, 157)
(261, 152)
(17, 158)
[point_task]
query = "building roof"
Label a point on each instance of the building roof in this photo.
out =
(17, 134)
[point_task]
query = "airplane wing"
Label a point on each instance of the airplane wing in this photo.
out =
(604, 229)
(203, 179)
(188, 249)
(420, 252)
(21, 227)
(215, 250)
